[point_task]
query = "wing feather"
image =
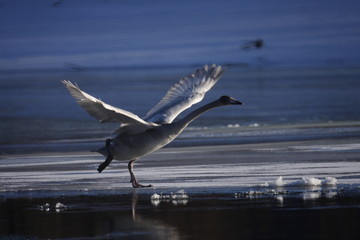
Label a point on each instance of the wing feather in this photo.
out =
(100, 110)
(183, 94)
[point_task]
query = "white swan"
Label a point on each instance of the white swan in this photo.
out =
(138, 137)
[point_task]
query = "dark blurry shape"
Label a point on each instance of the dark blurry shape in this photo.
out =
(235, 65)
(57, 3)
(74, 66)
(255, 44)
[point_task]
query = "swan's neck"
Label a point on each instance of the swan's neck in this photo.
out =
(196, 113)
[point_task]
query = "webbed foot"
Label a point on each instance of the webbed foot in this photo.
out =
(136, 184)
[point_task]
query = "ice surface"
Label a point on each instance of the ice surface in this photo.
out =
(331, 147)
(199, 168)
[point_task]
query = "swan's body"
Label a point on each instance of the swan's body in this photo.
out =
(138, 137)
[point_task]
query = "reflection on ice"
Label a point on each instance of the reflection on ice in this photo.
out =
(178, 198)
(45, 207)
(58, 207)
(310, 195)
(330, 194)
(313, 195)
(280, 200)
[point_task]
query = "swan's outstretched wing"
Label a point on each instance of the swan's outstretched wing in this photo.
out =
(186, 92)
(100, 110)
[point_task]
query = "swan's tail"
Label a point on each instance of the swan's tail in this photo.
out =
(103, 151)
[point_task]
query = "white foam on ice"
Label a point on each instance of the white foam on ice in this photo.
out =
(304, 182)
(329, 181)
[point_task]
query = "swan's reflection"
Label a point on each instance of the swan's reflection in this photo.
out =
(155, 229)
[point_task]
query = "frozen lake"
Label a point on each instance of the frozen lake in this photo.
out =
(218, 166)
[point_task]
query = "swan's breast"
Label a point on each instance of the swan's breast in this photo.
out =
(135, 146)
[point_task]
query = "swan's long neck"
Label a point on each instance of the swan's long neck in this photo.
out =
(196, 113)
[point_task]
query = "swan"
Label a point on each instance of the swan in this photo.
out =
(137, 136)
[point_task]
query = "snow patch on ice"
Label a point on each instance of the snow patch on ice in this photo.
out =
(304, 181)
(308, 188)
(330, 181)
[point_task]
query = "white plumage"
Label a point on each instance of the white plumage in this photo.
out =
(100, 110)
(186, 92)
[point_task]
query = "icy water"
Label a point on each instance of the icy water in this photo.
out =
(215, 216)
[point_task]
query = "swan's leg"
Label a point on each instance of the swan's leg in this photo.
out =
(133, 180)
(109, 158)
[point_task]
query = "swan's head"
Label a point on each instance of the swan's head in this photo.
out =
(226, 100)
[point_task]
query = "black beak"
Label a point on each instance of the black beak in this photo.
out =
(236, 102)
